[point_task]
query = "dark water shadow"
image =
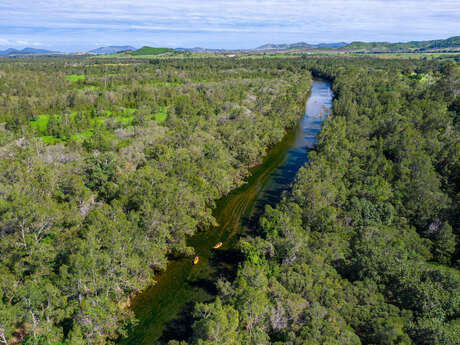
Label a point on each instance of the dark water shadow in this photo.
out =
(180, 328)
(225, 262)
(208, 285)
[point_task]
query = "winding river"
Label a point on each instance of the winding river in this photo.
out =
(164, 310)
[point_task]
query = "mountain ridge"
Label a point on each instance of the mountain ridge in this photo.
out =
(300, 45)
(111, 49)
(25, 51)
(451, 42)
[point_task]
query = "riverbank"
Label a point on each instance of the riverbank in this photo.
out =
(164, 309)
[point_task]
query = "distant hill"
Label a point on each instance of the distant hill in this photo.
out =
(8, 51)
(335, 45)
(36, 51)
(205, 50)
(300, 45)
(452, 42)
(25, 51)
(111, 49)
(414, 46)
(153, 51)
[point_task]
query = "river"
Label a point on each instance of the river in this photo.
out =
(164, 310)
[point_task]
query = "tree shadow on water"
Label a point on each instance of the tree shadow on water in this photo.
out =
(207, 285)
(226, 263)
(181, 327)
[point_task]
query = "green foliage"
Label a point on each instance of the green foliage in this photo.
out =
(160, 117)
(41, 124)
(444, 244)
(347, 256)
(99, 170)
(217, 324)
(362, 249)
(76, 77)
(123, 168)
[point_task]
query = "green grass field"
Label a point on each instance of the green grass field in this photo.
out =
(50, 140)
(75, 77)
(81, 136)
(40, 124)
(126, 119)
(160, 117)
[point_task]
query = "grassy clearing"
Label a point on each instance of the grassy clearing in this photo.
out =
(81, 136)
(40, 124)
(160, 117)
(75, 77)
(126, 120)
(125, 117)
(50, 140)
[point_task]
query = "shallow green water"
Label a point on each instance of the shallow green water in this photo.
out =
(164, 310)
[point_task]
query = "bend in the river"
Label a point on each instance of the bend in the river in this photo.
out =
(164, 310)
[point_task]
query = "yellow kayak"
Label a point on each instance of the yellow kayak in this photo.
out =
(218, 245)
(195, 261)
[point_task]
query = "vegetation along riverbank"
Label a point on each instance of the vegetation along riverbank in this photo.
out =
(108, 166)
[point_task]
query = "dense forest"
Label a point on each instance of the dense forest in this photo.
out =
(364, 248)
(107, 166)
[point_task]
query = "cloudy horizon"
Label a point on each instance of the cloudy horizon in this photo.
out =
(87, 24)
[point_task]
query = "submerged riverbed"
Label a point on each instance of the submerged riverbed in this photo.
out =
(164, 310)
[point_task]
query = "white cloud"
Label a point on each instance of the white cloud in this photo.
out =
(180, 20)
(18, 43)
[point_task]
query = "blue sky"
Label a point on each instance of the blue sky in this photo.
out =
(75, 25)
